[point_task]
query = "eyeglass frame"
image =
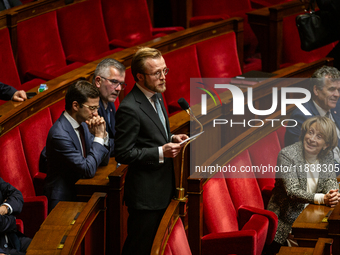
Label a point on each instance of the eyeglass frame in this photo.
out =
(165, 71)
(114, 81)
(92, 108)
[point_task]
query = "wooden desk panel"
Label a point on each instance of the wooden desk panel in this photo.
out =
(308, 227)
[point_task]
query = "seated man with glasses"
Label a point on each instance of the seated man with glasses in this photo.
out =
(76, 144)
(109, 78)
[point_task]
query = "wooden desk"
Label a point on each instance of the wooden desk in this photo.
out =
(73, 228)
(322, 247)
(109, 179)
(308, 227)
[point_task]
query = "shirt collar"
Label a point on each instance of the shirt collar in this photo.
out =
(72, 121)
(321, 111)
(147, 93)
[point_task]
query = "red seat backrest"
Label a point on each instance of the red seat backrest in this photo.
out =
(219, 210)
(57, 109)
(202, 7)
(8, 71)
(127, 22)
(82, 29)
(42, 30)
(264, 153)
(281, 135)
(243, 187)
(178, 241)
(14, 168)
(178, 79)
(34, 133)
(218, 58)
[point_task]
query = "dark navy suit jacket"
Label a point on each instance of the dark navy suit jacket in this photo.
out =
(110, 127)
(6, 91)
(293, 133)
(65, 162)
(16, 201)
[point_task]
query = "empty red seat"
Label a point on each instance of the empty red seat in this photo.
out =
(40, 52)
(15, 171)
(34, 133)
(245, 191)
(8, 71)
(206, 11)
(227, 230)
(82, 31)
(178, 79)
(132, 24)
(218, 58)
(264, 154)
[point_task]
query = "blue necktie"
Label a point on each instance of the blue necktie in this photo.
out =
(159, 111)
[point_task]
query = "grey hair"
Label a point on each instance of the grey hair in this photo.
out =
(104, 65)
(320, 75)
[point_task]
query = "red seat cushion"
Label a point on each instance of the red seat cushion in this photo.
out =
(178, 241)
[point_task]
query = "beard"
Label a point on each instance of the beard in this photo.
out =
(158, 89)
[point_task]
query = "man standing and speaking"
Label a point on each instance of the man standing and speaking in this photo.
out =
(144, 142)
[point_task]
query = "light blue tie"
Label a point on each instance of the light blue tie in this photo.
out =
(159, 111)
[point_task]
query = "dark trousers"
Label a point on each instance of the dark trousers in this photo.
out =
(142, 228)
(24, 243)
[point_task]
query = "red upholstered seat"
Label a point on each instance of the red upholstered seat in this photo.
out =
(218, 58)
(291, 49)
(178, 241)
(34, 133)
(132, 24)
(15, 171)
(264, 153)
(56, 109)
(281, 135)
(245, 191)
(227, 230)
(220, 9)
(48, 60)
(82, 31)
(8, 71)
(178, 79)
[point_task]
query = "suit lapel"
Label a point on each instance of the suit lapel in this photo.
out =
(148, 109)
(102, 113)
(69, 129)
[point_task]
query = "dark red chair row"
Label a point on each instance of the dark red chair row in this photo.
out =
(234, 203)
(8, 71)
(21, 148)
(56, 42)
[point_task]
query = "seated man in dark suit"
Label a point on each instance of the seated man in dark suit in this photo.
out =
(109, 78)
(76, 144)
(11, 241)
(9, 93)
(325, 90)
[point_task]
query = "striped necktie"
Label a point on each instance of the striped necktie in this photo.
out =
(159, 111)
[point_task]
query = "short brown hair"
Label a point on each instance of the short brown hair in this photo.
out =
(327, 127)
(80, 91)
(138, 60)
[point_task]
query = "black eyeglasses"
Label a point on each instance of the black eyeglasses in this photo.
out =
(159, 73)
(115, 82)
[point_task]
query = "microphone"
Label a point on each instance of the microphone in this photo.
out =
(186, 107)
(183, 104)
